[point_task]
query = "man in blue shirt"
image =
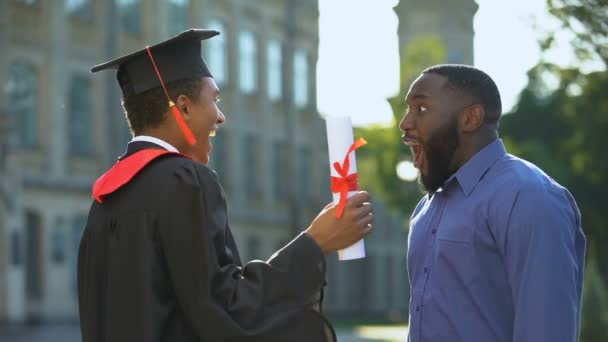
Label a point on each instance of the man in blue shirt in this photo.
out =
(496, 250)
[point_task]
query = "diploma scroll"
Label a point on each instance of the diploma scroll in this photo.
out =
(340, 143)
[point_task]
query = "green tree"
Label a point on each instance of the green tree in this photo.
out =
(377, 161)
(594, 325)
(588, 20)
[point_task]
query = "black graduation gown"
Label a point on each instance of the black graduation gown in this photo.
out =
(157, 262)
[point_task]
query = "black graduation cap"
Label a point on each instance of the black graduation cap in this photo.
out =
(176, 58)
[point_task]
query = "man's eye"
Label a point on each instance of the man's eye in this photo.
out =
(422, 109)
(217, 100)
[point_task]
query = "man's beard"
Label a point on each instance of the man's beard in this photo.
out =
(439, 152)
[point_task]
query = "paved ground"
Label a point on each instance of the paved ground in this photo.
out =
(70, 333)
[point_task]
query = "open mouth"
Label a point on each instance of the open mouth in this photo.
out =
(211, 135)
(416, 150)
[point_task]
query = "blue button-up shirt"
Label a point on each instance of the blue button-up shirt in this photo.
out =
(496, 255)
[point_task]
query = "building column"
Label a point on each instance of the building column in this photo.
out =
(3, 214)
(291, 8)
(233, 141)
(108, 49)
(58, 74)
(265, 115)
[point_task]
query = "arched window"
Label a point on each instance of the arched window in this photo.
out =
(178, 16)
(79, 116)
(247, 62)
(216, 54)
(300, 79)
(130, 15)
(22, 90)
(275, 65)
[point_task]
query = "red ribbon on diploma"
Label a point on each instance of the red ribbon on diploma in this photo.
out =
(345, 182)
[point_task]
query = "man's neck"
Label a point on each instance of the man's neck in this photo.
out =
(155, 140)
(468, 149)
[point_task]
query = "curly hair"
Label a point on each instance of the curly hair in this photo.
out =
(148, 109)
(474, 82)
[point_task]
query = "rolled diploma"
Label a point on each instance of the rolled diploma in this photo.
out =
(339, 140)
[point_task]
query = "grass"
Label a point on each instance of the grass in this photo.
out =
(376, 331)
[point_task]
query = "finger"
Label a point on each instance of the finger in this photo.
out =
(358, 199)
(364, 209)
(368, 229)
(365, 221)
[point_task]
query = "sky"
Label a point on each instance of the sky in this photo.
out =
(358, 66)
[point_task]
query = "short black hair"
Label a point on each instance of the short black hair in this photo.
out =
(474, 82)
(147, 110)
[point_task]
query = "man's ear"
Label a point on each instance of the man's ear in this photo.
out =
(183, 103)
(473, 118)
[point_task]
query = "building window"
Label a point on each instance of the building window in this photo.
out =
(300, 79)
(79, 116)
(23, 95)
(28, 2)
(34, 260)
(278, 171)
(178, 16)
(130, 15)
(275, 64)
(303, 172)
(247, 62)
(58, 245)
(251, 172)
(216, 56)
(15, 249)
(79, 8)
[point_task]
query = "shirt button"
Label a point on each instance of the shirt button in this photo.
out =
(417, 308)
(434, 231)
(426, 270)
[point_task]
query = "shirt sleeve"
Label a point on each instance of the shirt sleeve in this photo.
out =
(269, 301)
(544, 256)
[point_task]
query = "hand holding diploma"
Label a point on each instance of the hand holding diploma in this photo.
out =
(349, 218)
(343, 167)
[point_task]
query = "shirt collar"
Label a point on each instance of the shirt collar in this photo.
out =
(471, 172)
(156, 141)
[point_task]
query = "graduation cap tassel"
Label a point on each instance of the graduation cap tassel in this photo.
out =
(182, 123)
(176, 113)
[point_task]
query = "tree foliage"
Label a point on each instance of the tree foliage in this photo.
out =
(594, 326)
(588, 20)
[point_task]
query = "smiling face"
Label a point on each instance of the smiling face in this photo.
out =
(203, 118)
(430, 127)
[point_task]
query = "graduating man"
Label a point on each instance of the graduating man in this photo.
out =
(157, 260)
(496, 250)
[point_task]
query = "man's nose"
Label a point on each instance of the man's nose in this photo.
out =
(406, 123)
(221, 118)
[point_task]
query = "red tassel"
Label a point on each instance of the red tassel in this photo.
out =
(182, 124)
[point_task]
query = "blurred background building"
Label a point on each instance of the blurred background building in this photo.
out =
(451, 21)
(61, 127)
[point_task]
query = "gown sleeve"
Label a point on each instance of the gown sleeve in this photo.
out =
(275, 300)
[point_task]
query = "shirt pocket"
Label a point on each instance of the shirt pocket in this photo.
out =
(456, 261)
